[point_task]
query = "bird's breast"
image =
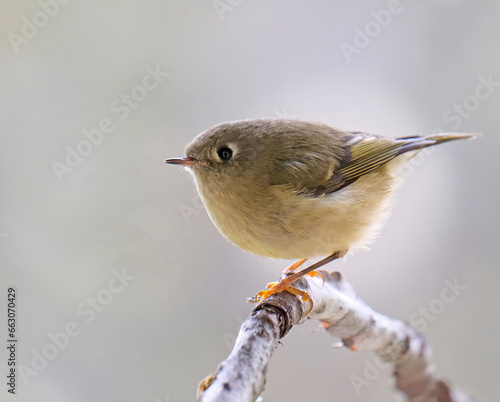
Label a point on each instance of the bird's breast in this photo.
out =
(277, 222)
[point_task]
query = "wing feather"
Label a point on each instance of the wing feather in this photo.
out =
(366, 155)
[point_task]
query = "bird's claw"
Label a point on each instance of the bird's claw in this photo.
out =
(316, 273)
(276, 287)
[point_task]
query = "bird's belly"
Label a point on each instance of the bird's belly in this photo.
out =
(323, 234)
(289, 226)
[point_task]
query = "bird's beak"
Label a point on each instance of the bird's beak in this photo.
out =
(188, 161)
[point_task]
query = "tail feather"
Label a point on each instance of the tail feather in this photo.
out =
(418, 142)
(445, 137)
(411, 145)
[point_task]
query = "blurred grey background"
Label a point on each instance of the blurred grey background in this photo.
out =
(74, 214)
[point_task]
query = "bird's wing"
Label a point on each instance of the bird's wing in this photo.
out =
(364, 154)
(341, 157)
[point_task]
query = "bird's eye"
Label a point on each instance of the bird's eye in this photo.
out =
(225, 153)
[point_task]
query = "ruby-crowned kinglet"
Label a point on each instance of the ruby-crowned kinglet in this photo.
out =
(296, 190)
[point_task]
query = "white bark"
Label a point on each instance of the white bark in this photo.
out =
(241, 377)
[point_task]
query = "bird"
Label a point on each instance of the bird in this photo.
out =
(297, 190)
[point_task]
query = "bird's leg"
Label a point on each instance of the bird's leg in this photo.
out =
(291, 269)
(296, 265)
(286, 283)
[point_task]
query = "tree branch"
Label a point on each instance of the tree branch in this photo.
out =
(241, 377)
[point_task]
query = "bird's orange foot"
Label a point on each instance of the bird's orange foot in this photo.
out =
(315, 273)
(283, 285)
(294, 266)
(286, 283)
